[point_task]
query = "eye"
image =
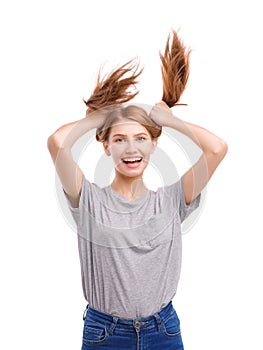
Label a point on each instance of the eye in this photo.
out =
(119, 139)
(141, 138)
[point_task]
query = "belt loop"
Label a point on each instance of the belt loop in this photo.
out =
(85, 312)
(113, 325)
(159, 321)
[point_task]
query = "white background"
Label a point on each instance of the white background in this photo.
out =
(50, 55)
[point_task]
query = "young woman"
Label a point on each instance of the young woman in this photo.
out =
(129, 236)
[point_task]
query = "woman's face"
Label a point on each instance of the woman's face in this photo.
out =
(130, 146)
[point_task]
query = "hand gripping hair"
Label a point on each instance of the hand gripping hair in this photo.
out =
(114, 89)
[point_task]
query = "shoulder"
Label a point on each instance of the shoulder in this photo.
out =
(171, 190)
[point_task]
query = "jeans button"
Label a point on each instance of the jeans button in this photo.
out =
(137, 324)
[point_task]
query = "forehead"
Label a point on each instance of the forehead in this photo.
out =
(128, 128)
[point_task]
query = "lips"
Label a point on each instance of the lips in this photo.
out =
(132, 160)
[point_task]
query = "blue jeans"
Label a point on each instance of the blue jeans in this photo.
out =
(156, 332)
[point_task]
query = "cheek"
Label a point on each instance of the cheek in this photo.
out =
(117, 152)
(145, 148)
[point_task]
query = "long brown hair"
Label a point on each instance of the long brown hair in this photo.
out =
(109, 95)
(175, 69)
(113, 90)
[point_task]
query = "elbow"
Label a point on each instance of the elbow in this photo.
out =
(55, 141)
(221, 149)
(52, 142)
(53, 146)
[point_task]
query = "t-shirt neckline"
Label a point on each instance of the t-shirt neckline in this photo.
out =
(126, 200)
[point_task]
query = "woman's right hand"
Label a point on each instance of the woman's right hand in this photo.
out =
(99, 116)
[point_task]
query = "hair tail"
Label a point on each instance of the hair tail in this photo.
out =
(174, 68)
(115, 87)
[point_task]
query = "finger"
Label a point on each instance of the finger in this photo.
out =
(164, 105)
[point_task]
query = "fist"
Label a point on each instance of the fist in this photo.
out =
(161, 113)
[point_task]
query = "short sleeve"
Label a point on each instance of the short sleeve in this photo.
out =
(84, 200)
(175, 196)
(186, 209)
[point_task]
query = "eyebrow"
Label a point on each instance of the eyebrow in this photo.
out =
(141, 133)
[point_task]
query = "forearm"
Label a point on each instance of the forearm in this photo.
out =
(205, 139)
(68, 134)
(64, 137)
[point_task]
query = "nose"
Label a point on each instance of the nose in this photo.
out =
(130, 147)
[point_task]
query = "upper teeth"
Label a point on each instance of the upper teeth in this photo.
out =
(131, 159)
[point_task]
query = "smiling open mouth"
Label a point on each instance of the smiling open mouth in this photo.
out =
(132, 160)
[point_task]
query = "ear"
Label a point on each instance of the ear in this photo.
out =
(154, 144)
(106, 148)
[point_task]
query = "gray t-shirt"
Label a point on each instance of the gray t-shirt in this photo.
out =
(130, 251)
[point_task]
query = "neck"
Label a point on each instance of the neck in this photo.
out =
(129, 187)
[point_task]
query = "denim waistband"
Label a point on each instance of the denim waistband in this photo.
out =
(139, 322)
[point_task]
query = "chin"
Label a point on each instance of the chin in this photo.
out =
(130, 172)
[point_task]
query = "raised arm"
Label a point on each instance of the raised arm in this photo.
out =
(213, 147)
(110, 90)
(214, 150)
(60, 144)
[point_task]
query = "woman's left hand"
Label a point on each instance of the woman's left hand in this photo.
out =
(161, 113)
